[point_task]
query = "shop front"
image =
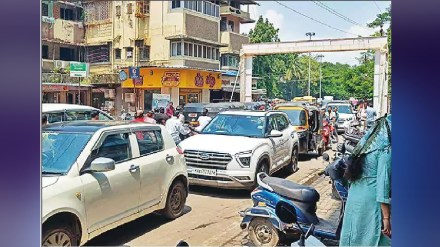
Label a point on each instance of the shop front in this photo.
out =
(182, 85)
(66, 93)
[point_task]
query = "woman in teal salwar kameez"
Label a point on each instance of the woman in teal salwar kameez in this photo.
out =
(369, 195)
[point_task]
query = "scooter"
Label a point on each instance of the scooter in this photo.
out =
(267, 229)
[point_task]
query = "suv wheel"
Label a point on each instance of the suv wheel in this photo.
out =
(293, 164)
(61, 235)
(263, 166)
(175, 200)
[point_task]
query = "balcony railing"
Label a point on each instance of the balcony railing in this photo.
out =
(244, 16)
(59, 78)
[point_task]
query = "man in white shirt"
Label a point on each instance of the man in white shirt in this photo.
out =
(203, 120)
(175, 127)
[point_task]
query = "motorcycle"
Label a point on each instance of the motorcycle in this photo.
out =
(264, 225)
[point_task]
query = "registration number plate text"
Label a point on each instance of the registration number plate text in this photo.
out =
(200, 171)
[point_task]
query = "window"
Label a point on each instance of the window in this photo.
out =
(98, 54)
(129, 52)
(129, 8)
(209, 54)
(204, 52)
(176, 49)
(282, 122)
(175, 4)
(272, 124)
(186, 49)
(67, 54)
(149, 141)
(230, 26)
(97, 10)
(144, 53)
(199, 53)
(117, 53)
(116, 147)
(44, 9)
(66, 14)
(142, 7)
(223, 24)
(179, 49)
(118, 10)
(45, 51)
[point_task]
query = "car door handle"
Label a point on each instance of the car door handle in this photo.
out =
(169, 159)
(133, 168)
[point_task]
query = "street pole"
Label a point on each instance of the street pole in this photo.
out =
(310, 34)
(320, 75)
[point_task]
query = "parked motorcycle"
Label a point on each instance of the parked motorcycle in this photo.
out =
(272, 194)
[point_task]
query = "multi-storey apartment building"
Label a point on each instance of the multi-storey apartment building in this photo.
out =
(180, 47)
(62, 33)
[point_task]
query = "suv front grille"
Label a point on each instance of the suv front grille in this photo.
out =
(210, 160)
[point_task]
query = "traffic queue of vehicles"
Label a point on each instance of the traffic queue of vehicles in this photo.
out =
(100, 174)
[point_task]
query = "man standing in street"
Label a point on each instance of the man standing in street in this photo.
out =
(169, 111)
(203, 120)
(371, 115)
(176, 128)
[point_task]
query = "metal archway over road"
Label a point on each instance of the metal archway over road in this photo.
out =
(378, 44)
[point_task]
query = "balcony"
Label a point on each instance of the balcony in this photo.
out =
(235, 42)
(59, 78)
(62, 31)
(244, 16)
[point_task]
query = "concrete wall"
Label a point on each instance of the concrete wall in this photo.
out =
(206, 95)
(202, 26)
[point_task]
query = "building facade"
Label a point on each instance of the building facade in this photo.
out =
(62, 33)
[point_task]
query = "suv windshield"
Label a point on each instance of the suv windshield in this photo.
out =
(296, 117)
(60, 150)
(237, 125)
(346, 109)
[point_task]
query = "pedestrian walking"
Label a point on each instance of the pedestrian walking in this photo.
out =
(169, 111)
(203, 120)
(176, 128)
(367, 216)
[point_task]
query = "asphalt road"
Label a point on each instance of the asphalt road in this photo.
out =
(211, 217)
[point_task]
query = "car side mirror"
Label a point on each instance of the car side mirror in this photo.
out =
(285, 212)
(102, 165)
(275, 133)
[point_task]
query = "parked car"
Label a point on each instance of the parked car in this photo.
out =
(346, 114)
(267, 143)
(97, 175)
(192, 112)
(69, 112)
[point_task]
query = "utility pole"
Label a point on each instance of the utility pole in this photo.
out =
(310, 34)
(320, 75)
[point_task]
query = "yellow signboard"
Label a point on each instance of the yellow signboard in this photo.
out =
(181, 78)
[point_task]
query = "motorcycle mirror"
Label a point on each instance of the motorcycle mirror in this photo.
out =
(325, 157)
(285, 212)
(182, 243)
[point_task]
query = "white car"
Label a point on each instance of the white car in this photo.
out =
(346, 114)
(97, 175)
(69, 112)
(236, 145)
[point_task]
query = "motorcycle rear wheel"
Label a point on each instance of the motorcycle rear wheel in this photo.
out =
(263, 233)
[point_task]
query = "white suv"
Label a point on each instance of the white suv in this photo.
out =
(236, 145)
(97, 175)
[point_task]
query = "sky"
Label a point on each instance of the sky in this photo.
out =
(294, 26)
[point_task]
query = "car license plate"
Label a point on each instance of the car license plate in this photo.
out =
(201, 171)
(192, 115)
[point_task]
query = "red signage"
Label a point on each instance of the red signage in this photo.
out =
(55, 88)
(199, 80)
(210, 80)
(171, 79)
(138, 81)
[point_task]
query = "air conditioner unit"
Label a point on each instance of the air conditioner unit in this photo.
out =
(129, 97)
(61, 64)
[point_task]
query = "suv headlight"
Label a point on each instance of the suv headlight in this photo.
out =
(244, 158)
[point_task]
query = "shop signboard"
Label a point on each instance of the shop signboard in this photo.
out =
(171, 79)
(78, 69)
(160, 100)
(55, 88)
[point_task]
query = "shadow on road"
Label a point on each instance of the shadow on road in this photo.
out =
(132, 230)
(219, 193)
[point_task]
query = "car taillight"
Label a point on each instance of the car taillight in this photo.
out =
(179, 150)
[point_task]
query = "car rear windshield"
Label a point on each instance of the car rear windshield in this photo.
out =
(60, 150)
(237, 125)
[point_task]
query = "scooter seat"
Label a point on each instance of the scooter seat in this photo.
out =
(292, 190)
